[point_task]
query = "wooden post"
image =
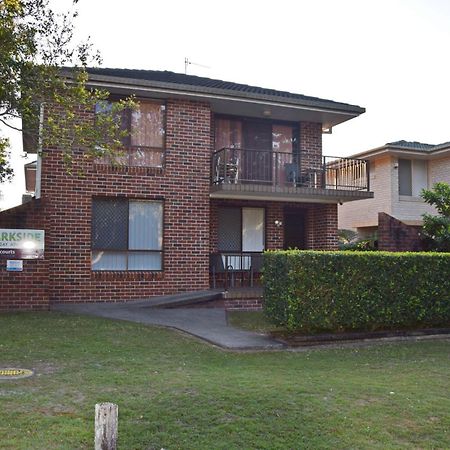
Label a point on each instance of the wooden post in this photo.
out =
(106, 422)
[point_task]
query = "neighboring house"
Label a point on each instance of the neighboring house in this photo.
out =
(215, 173)
(398, 173)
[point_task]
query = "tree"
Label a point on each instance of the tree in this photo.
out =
(35, 46)
(436, 229)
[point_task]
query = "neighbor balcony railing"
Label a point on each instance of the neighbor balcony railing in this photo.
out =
(282, 169)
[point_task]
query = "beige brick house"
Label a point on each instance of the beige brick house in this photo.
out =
(398, 172)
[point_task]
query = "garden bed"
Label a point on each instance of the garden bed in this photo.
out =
(298, 340)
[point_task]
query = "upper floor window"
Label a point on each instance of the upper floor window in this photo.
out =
(412, 176)
(145, 142)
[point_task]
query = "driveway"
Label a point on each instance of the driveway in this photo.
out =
(209, 324)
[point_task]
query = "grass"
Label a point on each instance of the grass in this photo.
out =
(174, 392)
(251, 320)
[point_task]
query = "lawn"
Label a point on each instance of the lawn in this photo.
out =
(175, 392)
(251, 320)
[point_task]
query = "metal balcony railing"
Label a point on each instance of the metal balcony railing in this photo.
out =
(281, 169)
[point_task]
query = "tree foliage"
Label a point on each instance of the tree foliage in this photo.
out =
(41, 68)
(436, 229)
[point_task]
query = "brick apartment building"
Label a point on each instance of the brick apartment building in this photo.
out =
(214, 173)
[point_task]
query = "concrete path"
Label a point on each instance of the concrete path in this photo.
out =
(209, 324)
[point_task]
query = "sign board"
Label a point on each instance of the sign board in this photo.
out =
(21, 244)
(14, 265)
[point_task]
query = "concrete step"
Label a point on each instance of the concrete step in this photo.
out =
(178, 300)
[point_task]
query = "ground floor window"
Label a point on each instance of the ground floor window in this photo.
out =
(126, 234)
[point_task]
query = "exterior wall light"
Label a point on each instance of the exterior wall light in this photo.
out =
(278, 223)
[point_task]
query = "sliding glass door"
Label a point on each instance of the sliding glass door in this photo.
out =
(240, 231)
(259, 151)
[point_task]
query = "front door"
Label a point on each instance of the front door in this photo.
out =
(294, 229)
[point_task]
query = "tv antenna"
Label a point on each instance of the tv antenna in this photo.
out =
(188, 62)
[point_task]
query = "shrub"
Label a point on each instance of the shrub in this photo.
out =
(350, 240)
(364, 245)
(436, 229)
(310, 291)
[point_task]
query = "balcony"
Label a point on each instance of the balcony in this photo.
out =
(268, 175)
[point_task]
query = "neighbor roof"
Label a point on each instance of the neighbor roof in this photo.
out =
(194, 83)
(406, 146)
(410, 145)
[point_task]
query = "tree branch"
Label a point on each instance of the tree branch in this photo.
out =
(10, 126)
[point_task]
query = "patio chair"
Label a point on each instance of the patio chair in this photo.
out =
(256, 266)
(216, 266)
(292, 173)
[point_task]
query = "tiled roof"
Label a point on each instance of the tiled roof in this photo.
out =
(203, 84)
(413, 145)
(403, 146)
(443, 145)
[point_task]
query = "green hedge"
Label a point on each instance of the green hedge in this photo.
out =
(311, 291)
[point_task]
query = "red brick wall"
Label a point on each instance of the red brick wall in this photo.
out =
(321, 222)
(322, 227)
(27, 289)
(310, 145)
(395, 236)
(183, 185)
(244, 304)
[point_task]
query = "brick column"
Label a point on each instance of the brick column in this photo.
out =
(321, 227)
(274, 234)
(310, 146)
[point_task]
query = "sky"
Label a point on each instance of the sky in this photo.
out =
(389, 56)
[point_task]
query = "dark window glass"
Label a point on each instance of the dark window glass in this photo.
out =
(230, 229)
(109, 224)
(404, 177)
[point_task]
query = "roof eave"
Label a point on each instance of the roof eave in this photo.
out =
(323, 105)
(396, 150)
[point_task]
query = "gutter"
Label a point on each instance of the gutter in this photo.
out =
(37, 189)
